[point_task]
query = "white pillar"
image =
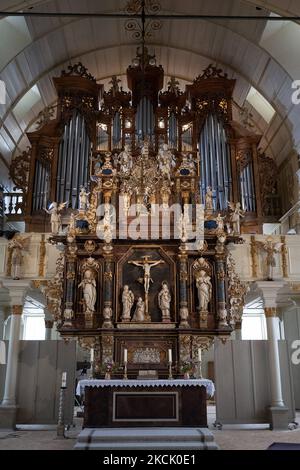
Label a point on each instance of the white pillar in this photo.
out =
(8, 407)
(275, 376)
(9, 398)
(278, 410)
(48, 329)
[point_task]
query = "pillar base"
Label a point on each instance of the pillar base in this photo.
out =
(8, 417)
(279, 419)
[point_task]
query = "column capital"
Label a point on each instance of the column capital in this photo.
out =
(17, 290)
(269, 291)
(17, 309)
(49, 324)
(270, 312)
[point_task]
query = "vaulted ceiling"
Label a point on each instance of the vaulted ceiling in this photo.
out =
(261, 55)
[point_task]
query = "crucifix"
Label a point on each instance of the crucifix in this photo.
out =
(147, 264)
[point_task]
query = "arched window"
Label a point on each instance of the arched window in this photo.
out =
(215, 162)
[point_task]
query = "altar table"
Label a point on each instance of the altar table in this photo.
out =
(145, 403)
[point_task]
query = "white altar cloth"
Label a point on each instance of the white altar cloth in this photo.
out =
(208, 384)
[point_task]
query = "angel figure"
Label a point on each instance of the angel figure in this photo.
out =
(55, 219)
(17, 246)
(271, 249)
(235, 217)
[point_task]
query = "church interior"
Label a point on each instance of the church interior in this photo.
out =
(149, 225)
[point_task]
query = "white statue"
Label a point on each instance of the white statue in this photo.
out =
(164, 300)
(209, 199)
(220, 222)
(107, 226)
(55, 219)
(127, 301)
(146, 264)
(204, 287)
(88, 285)
(83, 199)
(72, 225)
(270, 248)
(139, 314)
(125, 160)
(17, 246)
(165, 162)
(235, 217)
(183, 225)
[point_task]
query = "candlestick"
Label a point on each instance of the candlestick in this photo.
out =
(64, 380)
(170, 371)
(199, 354)
(170, 356)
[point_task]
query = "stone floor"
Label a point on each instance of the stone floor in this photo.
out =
(229, 438)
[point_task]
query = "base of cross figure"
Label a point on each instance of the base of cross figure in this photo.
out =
(8, 416)
(279, 418)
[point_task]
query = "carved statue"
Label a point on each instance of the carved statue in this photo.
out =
(146, 264)
(125, 160)
(165, 162)
(220, 222)
(183, 226)
(17, 246)
(139, 314)
(270, 248)
(127, 301)
(204, 287)
(72, 227)
(209, 200)
(235, 217)
(83, 198)
(107, 226)
(88, 285)
(55, 219)
(164, 300)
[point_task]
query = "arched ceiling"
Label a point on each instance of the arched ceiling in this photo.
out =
(242, 48)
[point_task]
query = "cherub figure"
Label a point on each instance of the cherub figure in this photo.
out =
(17, 245)
(55, 219)
(235, 217)
(83, 198)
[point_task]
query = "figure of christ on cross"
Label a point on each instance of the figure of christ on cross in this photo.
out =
(147, 264)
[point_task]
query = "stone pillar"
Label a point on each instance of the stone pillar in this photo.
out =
(48, 329)
(183, 298)
(238, 331)
(108, 291)
(278, 410)
(8, 408)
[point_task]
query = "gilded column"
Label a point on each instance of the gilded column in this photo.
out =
(183, 295)
(71, 255)
(221, 270)
(108, 291)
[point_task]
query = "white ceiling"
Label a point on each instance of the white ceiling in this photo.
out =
(250, 51)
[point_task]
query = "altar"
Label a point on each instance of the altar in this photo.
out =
(145, 403)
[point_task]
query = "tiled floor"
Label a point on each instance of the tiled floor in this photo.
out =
(229, 438)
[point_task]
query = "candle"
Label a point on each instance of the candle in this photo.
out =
(125, 355)
(92, 354)
(199, 354)
(64, 380)
(170, 355)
